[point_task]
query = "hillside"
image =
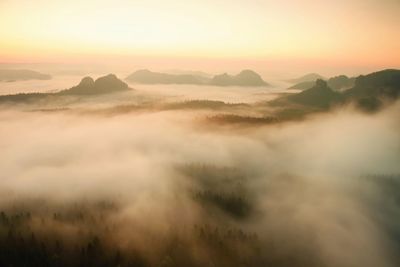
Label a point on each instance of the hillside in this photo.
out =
(149, 77)
(337, 83)
(311, 77)
(103, 85)
(11, 75)
(320, 95)
(369, 92)
(385, 83)
(87, 86)
(244, 78)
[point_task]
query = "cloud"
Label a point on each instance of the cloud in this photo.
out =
(168, 179)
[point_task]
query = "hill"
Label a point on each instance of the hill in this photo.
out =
(320, 96)
(385, 83)
(311, 77)
(244, 78)
(22, 75)
(87, 86)
(338, 83)
(369, 92)
(103, 85)
(149, 77)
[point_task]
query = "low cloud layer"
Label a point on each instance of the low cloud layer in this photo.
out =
(306, 193)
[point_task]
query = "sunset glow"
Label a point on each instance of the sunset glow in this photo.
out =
(343, 31)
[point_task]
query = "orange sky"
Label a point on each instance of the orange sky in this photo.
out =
(341, 32)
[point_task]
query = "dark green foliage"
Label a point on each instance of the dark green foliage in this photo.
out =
(320, 96)
(369, 104)
(337, 83)
(222, 188)
(384, 83)
(208, 176)
(341, 82)
(24, 243)
(233, 204)
(367, 93)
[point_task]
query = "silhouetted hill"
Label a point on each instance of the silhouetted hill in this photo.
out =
(385, 83)
(149, 77)
(23, 97)
(22, 75)
(320, 95)
(103, 85)
(370, 90)
(341, 82)
(311, 77)
(337, 83)
(190, 72)
(87, 86)
(244, 78)
(303, 85)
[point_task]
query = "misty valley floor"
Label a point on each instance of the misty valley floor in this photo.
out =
(148, 179)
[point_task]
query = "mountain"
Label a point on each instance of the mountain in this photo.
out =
(319, 96)
(222, 80)
(303, 85)
(338, 83)
(22, 75)
(103, 85)
(369, 92)
(190, 72)
(149, 77)
(341, 82)
(385, 83)
(244, 78)
(311, 77)
(87, 86)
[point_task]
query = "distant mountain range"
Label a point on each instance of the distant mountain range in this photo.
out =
(337, 83)
(149, 77)
(190, 72)
(311, 77)
(244, 78)
(103, 85)
(10, 75)
(87, 87)
(368, 92)
(320, 95)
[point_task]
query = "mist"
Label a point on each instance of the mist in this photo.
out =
(166, 187)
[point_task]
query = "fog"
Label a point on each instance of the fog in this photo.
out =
(166, 187)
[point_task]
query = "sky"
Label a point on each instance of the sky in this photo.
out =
(325, 32)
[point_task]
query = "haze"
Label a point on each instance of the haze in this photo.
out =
(358, 35)
(199, 133)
